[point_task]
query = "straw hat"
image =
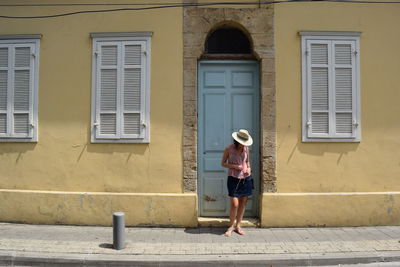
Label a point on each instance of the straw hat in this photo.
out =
(243, 137)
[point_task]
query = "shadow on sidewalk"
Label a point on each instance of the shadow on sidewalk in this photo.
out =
(206, 230)
(106, 245)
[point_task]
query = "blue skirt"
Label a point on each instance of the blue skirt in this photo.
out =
(240, 187)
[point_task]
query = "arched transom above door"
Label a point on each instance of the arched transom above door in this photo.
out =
(227, 40)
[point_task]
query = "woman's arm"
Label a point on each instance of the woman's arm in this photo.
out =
(248, 170)
(227, 165)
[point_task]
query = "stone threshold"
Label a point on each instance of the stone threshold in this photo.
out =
(224, 222)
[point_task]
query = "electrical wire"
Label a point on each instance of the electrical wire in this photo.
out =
(153, 6)
(360, 1)
(86, 12)
(91, 4)
(191, 4)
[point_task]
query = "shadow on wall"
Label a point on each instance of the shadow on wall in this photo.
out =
(109, 148)
(105, 148)
(314, 148)
(17, 148)
(319, 149)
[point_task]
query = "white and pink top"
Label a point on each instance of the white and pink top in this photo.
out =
(238, 159)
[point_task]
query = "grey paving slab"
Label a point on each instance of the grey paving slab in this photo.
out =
(282, 234)
(304, 234)
(279, 246)
(390, 231)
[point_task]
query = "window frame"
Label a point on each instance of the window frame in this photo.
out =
(33, 41)
(120, 38)
(327, 36)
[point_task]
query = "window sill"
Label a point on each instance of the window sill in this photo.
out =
(18, 140)
(331, 140)
(120, 141)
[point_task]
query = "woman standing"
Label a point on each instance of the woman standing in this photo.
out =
(240, 183)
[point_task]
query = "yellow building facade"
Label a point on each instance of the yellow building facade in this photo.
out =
(67, 176)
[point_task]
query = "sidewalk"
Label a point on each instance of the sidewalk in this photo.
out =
(53, 245)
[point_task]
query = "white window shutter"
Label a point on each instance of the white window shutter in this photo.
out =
(121, 89)
(330, 87)
(22, 94)
(19, 73)
(344, 88)
(133, 90)
(16, 90)
(107, 81)
(318, 57)
(4, 70)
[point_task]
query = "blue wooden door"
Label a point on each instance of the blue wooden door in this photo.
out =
(228, 100)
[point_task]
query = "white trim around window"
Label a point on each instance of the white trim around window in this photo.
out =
(330, 87)
(121, 88)
(19, 83)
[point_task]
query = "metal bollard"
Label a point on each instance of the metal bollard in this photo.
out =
(119, 230)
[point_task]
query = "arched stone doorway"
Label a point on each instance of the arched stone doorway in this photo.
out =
(258, 22)
(228, 100)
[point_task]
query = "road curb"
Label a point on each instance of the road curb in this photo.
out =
(32, 259)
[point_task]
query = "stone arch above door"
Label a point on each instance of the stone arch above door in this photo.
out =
(258, 23)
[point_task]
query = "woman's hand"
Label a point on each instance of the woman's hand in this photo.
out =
(247, 171)
(239, 167)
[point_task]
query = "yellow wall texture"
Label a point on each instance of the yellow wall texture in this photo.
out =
(55, 207)
(330, 209)
(63, 158)
(373, 165)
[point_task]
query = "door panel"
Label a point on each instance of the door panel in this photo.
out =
(228, 100)
(241, 112)
(242, 79)
(216, 79)
(214, 200)
(214, 132)
(212, 164)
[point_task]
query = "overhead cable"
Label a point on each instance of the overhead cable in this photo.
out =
(153, 6)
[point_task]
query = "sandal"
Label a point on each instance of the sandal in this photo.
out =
(239, 231)
(229, 231)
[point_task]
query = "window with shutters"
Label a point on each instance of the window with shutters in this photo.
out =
(331, 87)
(121, 77)
(19, 73)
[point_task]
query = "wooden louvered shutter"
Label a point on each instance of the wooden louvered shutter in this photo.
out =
(344, 89)
(107, 84)
(133, 95)
(4, 73)
(22, 93)
(331, 87)
(16, 90)
(318, 72)
(121, 90)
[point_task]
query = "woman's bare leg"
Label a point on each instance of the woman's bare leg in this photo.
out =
(232, 215)
(242, 205)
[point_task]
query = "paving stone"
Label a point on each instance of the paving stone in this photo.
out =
(373, 242)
